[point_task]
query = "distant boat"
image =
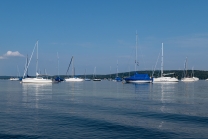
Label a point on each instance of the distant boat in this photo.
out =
(58, 78)
(37, 79)
(73, 78)
(117, 79)
(138, 78)
(16, 78)
(94, 76)
(187, 78)
(162, 78)
(86, 79)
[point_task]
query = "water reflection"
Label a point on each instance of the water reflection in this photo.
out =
(34, 92)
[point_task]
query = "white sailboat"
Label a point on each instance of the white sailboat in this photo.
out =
(163, 77)
(73, 78)
(15, 78)
(186, 78)
(38, 78)
(86, 79)
(94, 76)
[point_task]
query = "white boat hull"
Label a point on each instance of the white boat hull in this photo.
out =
(96, 79)
(165, 79)
(192, 79)
(14, 79)
(74, 80)
(36, 80)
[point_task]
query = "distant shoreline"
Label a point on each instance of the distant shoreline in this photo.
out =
(201, 74)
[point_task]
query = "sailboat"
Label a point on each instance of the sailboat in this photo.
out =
(58, 78)
(38, 78)
(138, 78)
(73, 78)
(163, 77)
(187, 78)
(94, 76)
(86, 79)
(195, 78)
(15, 78)
(117, 79)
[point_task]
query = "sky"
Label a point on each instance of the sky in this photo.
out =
(98, 33)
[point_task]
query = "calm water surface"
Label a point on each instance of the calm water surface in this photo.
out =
(103, 110)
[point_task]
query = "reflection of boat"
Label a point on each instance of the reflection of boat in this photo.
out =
(37, 79)
(138, 78)
(186, 78)
(162, 78)
(73, 78)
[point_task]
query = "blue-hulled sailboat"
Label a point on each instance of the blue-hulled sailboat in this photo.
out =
(58, 78)
(138, 78)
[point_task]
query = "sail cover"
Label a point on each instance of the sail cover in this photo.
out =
(137, 76)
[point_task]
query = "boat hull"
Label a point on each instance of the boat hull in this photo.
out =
(74, 80)
(139, 81)
(96, 79)
(193, 79)
(14, 79)
(165, 79)
(36, 80)
(138, 78)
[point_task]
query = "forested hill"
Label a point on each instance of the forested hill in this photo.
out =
(177, 73)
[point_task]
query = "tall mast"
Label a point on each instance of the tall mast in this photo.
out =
(73, 67)
(117, 69)
(27, 64)
(135, 68)
(162, 62)
(94, 75)
(37, 60)
(58, 63)
(186, 66)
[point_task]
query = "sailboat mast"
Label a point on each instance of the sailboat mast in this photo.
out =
(27, 64)
(37, 60)
(162, 62)
(58, 63)
(72, 66)
(117, 69)
(186, 66)
(135, 68)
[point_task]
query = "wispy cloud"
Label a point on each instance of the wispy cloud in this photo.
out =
(194, 40)
(11, 54)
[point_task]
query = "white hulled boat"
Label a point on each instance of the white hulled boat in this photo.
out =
(73, 78)
(186, 78)
(94, 76)
(163, 78)
(37, 79)
(14, 79)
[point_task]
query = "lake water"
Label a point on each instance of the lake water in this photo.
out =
(103, 110)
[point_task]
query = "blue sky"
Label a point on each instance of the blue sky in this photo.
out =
(100, 32)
